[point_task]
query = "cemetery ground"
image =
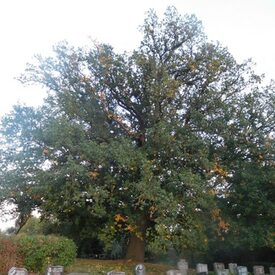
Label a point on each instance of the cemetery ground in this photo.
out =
(97, 267)
(94, 266)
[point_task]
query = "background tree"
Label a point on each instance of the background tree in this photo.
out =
(248, 202)
(149, 145)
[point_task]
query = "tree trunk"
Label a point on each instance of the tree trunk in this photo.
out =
(135, 249)
(21, 221)
(136, 245)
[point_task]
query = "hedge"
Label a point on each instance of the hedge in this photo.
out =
(40, 251)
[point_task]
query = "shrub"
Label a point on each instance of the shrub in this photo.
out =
(9, 254)
(41, 251)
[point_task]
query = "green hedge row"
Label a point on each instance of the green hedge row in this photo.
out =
(37, 252)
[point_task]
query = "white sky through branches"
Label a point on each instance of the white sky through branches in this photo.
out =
(28, 27)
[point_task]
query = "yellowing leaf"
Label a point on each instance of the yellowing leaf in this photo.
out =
(93, 174)
(219, 170)
(120, 218)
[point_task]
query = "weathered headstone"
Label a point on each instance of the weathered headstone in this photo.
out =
(183, 266)
(116, 273)
(258, 270)
(140, 269)
(242, 270)
(272, 270)
(18, 271)
(174, 272)
(223, 272)
(233, 268)
(55, 270)
(218, 267)
(202, 269)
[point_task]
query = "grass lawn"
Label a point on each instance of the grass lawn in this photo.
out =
(103, 266)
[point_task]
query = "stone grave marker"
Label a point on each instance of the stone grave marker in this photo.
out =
(224, 272)
(242, 270)
(218, 267)
(272, 270)
(174, 272)
(140, 269)
(202, 269)
(116, 273)
(18, 271)
(258, 270)
(55, 270)
(233, 268)
(183, 266)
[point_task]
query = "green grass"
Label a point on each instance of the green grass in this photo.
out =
(94, 267)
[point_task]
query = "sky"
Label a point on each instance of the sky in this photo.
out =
(29, 27)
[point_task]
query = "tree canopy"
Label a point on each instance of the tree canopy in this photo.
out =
(162, 145)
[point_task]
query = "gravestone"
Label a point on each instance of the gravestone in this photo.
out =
(116, 273)
(202, 269)
(140, 269)
(272, 270)
(55, 270)
(18, 271)
(183, 266)
(258, 270)
(218, 267)
(233, 268)
(242, 270)
(223, 272)
(174, 272)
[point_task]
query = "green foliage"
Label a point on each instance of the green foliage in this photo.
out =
(115, 242)
(176, 137)
(34, 226)
(41, 251)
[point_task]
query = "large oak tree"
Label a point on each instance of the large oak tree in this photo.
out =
(151, 144)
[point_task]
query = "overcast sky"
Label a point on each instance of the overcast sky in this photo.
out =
(28, 27)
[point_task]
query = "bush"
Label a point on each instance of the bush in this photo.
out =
(9, 254)
(41, 251)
